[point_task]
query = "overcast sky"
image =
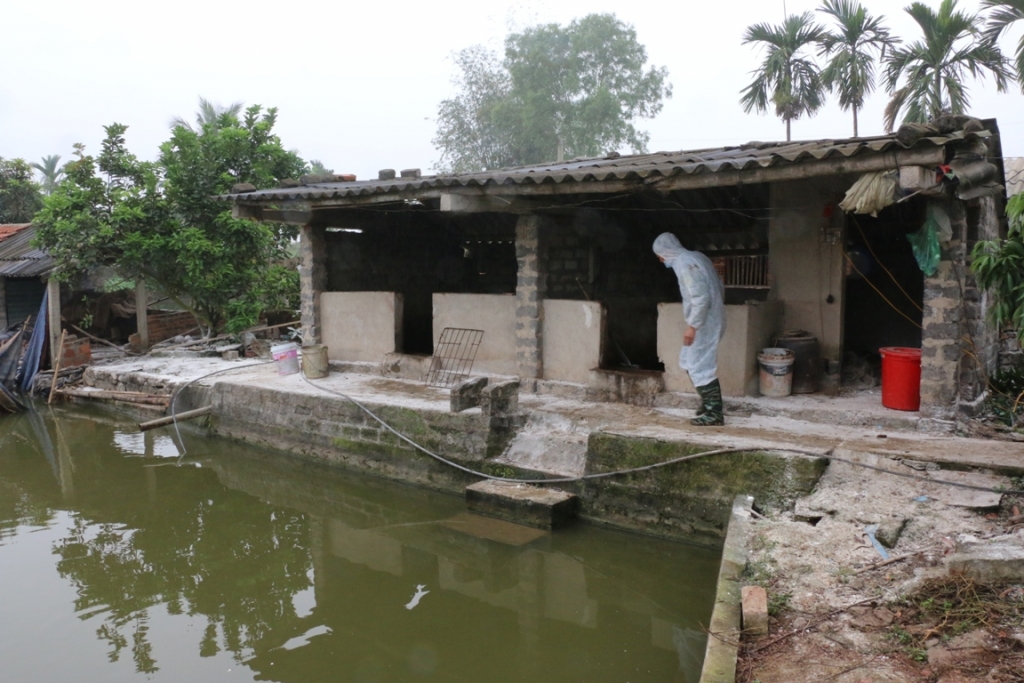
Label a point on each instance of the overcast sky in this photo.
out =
(357, 84)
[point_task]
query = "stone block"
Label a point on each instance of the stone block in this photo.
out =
(411, 173)
(996, 561)
(386, 174)
(466, 395)
(500, 399)
(521, 503)
(637, 387)
(755, 610)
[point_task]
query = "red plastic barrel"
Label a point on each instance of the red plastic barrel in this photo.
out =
(901, 378)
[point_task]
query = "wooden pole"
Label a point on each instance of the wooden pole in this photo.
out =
(142, 313)
(56, 366)
(170, 419)
(53, 315)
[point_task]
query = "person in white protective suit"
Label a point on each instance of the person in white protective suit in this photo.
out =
(704, 312)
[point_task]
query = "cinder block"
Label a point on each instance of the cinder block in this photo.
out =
(755, 610)
(501, 399)
(468, 394)
(543, 508)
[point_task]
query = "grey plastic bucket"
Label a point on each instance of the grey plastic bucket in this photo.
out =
(776, 371)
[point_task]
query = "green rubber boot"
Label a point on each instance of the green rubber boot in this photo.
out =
(712, 415)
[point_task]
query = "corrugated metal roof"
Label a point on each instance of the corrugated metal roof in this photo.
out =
(751, 156)
(18, 258)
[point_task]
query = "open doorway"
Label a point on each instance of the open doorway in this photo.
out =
(884, 289)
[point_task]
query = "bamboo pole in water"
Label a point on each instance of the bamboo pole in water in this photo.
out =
(180, 417)
(56, 365)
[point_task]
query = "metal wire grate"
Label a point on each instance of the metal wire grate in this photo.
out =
(453, 356)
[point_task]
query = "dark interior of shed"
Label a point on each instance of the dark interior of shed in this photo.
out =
(417, 253)
(884, 284)
(602, 251)
(596, 249)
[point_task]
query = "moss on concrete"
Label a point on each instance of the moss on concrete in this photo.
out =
(774, 479)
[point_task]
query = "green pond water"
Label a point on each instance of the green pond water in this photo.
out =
(241, 564)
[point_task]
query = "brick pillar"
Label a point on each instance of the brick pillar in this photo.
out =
(530, 288)
(312, 279)
(943, 343)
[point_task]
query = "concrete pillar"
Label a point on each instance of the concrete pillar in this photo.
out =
(530, 289)
(141, 313)
(53, 322)
(313, 279)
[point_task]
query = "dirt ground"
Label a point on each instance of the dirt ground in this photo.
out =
(839, 613)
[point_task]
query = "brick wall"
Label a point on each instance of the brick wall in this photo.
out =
(76, 352)
(166, 325)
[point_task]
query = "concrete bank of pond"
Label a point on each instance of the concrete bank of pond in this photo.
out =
(690, 500)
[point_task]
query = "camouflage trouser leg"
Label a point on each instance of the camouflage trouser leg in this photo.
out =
(711, 415)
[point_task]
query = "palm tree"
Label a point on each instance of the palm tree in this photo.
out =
(933, 69)
(788, 76)
(850, 51)
(208, 115)
(1002, 14)
(50, 171)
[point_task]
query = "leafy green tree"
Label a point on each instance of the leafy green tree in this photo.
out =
(561, 91)
(230, 268)
(469, 136)
(851, 51)
(933, 70)
(20, 198)
(998, 266)
(209, 114)
(51, 172)
(788, 78)
(1001, 15)
(161, 222)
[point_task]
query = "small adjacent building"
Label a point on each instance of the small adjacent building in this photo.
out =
(554, 263)
(24, 271)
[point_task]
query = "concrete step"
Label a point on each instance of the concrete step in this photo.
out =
(544, 508)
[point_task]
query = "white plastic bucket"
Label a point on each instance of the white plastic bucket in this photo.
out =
(287, 358)
(776, 376)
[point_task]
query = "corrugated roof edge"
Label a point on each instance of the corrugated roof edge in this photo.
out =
(18, 258)
(611, 168)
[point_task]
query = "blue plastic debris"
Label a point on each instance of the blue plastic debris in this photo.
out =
(921, 499)
(870, 530)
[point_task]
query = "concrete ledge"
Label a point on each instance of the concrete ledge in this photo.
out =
(530, 505)
(690, 498)
(722, 651)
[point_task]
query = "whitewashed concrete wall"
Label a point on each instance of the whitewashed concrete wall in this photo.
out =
(748, 329)
(573, 339)
(361, 326)
(805, 267)
(495, 314)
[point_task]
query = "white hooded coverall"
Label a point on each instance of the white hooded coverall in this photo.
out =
(703, 306)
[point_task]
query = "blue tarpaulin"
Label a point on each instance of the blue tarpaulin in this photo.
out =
(34, 353)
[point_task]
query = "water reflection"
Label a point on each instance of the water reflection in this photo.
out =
(292, 572)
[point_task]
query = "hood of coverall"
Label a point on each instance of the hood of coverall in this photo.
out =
(668, 247)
